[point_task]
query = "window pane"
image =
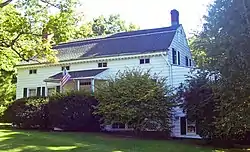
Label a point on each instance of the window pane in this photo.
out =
(104, 64)
(32, 92)
(141, 61)
(179, 58)
(186, 58)
(67, 67)
(34, 71)
(51, 91)
(30, 71)
(147, 60)
(99, 65)
(190, 62)
(174, 56)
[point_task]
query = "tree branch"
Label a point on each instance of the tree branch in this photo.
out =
(5, 3)
(51, 4)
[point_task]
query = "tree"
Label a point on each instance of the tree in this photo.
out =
(27, 31)
(103, 26)
(136, 98)
(225, 40)
(198, 101)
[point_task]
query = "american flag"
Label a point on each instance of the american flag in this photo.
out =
(65, 78)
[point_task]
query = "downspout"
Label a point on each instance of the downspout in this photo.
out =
(170, 70)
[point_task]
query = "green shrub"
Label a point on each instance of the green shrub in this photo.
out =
(72, 111)
(27, 113)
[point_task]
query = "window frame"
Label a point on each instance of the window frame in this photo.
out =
(67, 67)
(190, 62)
(102, 64)
(33, 71)
(178, 58)
(144, 61)
(186, 61)
(174, 56)
(28, 92)
(190, 124)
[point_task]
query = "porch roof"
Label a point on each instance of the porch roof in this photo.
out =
(77, 74)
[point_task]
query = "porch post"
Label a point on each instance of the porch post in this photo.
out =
(46, 89)
(93, 85)
(78, 85)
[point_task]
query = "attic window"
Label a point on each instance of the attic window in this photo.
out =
(33, 71)
(102, 64)
(65, 67)
(144, 61)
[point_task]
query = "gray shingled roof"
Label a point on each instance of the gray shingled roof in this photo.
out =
(78, 74)
(125, 43)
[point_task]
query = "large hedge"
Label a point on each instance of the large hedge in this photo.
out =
(28, 113)
(73, 111)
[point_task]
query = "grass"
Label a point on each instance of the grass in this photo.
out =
(30, 141)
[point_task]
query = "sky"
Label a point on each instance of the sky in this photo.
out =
(150, 13)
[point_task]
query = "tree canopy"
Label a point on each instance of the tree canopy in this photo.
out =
(225, 43)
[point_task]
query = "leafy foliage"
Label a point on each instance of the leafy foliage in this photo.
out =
(225, 41)
(28, 113)
(103, 26)
(136, 98)
(73, 111)
(198, 102)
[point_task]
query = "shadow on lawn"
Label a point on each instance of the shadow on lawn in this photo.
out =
(11, 140)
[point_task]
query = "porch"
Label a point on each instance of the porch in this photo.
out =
(85, 80)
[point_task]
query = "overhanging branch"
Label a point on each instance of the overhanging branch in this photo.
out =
(5, 3)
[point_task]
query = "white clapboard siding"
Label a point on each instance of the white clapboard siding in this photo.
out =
(25, 80)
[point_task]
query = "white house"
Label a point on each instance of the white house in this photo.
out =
(164, 50)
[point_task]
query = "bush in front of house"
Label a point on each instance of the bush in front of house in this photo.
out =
(73, 111)
(137, 98)
(27, 113)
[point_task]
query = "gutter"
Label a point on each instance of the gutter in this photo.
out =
(170, 74)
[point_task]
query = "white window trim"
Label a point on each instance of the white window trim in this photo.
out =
(189, 133)
(28, 91)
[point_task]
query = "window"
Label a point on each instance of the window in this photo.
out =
(174, 56)
(32, 92)
(85, 83)
(118, 126)
(179, 58)
(104, 64)
(144, 61)
(51, 91)
(191, 129)
(186, 58)
(190, 62)
(66, 67)
(33, 71)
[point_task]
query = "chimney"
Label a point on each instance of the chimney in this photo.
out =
(174, 17)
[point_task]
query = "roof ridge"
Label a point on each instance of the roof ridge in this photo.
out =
(121, 37)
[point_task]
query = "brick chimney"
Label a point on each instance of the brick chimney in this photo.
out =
(174, 17)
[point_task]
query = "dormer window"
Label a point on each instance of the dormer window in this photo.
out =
(145, 61)
(102, 64)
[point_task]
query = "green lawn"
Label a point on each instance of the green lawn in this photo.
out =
(30, 141)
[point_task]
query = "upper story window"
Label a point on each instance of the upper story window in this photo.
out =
(186, 59)
(66, 67)
(33, 71)
(179, 58)
(190, 62)
(144, 61)
(102, 64)
(174, 56)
